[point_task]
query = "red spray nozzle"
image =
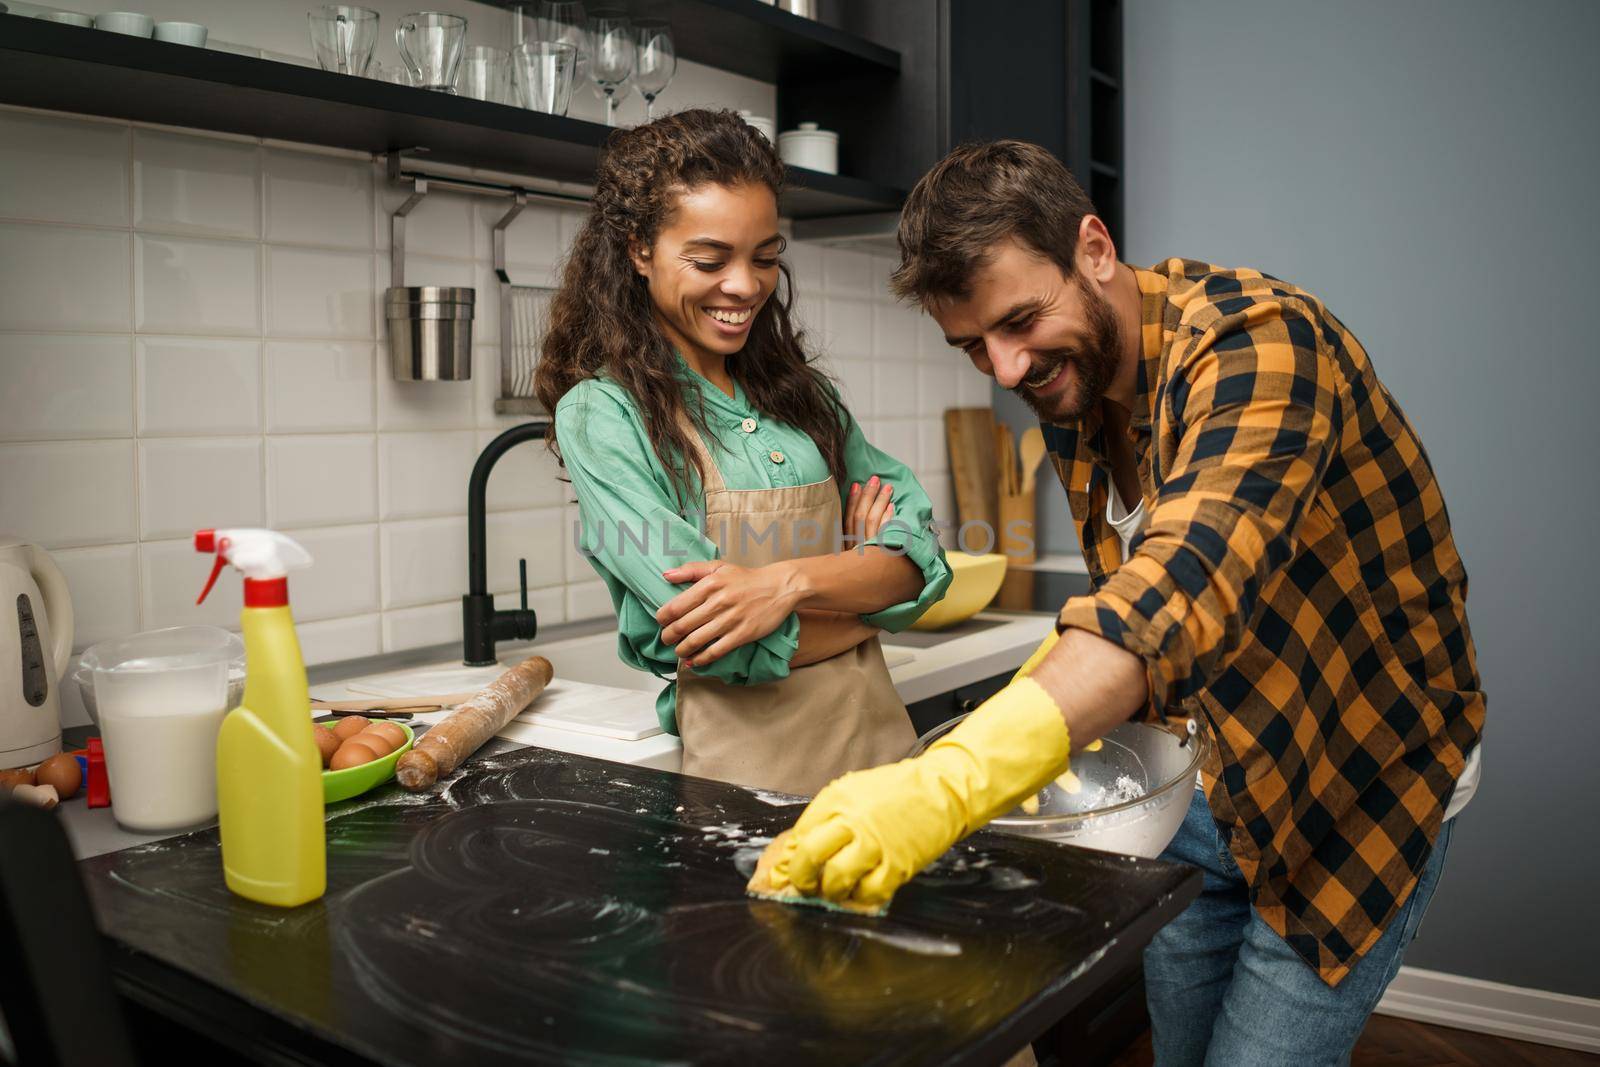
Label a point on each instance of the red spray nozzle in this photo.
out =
(263, 556)
(206, 541)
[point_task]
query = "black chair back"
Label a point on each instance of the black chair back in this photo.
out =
(56, 997)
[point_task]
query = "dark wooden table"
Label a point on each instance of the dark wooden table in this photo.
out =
(553, 909)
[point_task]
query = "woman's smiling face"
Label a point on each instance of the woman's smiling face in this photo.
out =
(713, 265)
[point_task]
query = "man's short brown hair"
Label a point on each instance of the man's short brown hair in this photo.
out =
(976, 197)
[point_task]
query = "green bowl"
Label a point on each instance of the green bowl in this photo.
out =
(353, 781)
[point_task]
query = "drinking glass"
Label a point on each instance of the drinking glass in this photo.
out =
(563, 22)
(524, 23)
(431, 44)
(543, 72)
(612, 52)
(486, 74)
(342, 37)
(657, 61)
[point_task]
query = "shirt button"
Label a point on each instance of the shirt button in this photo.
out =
(748, 426)
(775, 456)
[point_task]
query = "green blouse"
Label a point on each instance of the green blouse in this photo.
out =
(634, 528)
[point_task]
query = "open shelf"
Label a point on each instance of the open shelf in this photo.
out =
(65, 68)
(759, 41)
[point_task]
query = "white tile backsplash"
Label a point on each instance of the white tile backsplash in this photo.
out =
(422, 474)
(894, 387)
(172, 574)
(191, 335)
(589, 600)
(533, 239)
(196, 483)
(442, 225)
(321, 479)
(104, 583)
(343, 576)
(849, 327)
(332, 640)
(531, 535)
(429, 624)
(528, 476)
(848, 273)
(65, 385)
(57, 278)
(191, 387)
(424, 560)
(320, 386)
(198, 185)
(63, 493)
(318, 292)
(63, 170)
(318, 200)
(408, 406)
(198, 286)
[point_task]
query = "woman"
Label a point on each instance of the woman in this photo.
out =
(712, 464)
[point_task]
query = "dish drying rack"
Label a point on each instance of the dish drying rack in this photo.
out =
(524, 309)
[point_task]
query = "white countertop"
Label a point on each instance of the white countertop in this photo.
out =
(970, 654)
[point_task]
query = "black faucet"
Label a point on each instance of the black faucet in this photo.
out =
(481, 625)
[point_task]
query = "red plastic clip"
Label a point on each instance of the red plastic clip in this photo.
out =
(99, 785)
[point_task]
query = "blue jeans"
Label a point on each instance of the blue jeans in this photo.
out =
(1224, 989)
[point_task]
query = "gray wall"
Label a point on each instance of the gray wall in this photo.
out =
(1430, 169)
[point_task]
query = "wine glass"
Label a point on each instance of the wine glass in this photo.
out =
(657, 61)
(612, 52)
(565, 22)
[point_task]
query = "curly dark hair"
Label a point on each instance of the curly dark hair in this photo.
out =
(602, 317)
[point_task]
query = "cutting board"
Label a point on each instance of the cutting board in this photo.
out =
(974, 466)
(602, 710)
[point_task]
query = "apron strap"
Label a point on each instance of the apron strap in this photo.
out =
(711, 474)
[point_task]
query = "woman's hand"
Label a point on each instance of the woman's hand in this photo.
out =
(726, 607)
(868, 508)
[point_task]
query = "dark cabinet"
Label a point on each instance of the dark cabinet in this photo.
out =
(1047, 71)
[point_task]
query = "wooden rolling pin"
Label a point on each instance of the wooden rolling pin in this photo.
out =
(461, 733)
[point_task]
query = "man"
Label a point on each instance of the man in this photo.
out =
(1270, 555)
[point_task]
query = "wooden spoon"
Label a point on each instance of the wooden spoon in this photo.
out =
(1032, 453)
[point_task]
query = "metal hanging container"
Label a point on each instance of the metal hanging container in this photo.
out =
(430, 332)
(429, 326)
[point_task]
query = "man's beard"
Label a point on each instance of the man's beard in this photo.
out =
(1095, 363)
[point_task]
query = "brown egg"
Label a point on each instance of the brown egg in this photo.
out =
(9, 780)
(376, 741)
(351, 725)
(62, 772)
(353, 753)
(327, 743)
(389, 731)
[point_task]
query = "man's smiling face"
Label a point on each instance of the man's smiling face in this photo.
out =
(1051, 338)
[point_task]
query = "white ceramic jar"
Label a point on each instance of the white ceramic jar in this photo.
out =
(811, 148)
(768, 128)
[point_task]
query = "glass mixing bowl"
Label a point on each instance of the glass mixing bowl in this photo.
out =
(1134, 790)
(175, 649)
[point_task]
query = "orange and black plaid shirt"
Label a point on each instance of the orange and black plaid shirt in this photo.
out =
(1296, 590)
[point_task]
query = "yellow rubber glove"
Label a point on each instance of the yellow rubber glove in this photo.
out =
(1038, 655)
(867, 833)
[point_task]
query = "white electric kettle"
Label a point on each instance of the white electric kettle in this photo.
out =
(35, 645)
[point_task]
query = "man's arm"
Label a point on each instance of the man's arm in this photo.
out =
(1257, 406)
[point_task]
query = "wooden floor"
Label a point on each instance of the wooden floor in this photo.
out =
(1390, 1042)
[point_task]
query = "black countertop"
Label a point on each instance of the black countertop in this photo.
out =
(554, 909)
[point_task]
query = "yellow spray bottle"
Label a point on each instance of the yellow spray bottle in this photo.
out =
(269, 773)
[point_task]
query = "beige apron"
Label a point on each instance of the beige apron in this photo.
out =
(798, 734)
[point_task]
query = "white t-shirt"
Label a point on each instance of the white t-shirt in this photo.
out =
(1128, 523)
